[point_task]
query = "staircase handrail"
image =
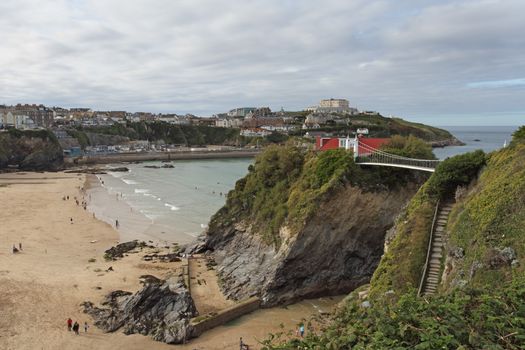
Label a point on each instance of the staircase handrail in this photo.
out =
(429, 250)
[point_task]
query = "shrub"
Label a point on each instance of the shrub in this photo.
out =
(454, 172)
(470, 319)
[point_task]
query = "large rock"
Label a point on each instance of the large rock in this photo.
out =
(119, 250)
(161, 309)
(30, 150)
(336, 251)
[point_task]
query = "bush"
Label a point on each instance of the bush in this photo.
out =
(470, 319)
(519, 135)
(454, 172)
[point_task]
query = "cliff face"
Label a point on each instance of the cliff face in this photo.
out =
(337, 250)
(30, 150)
(479, 301)
(303, 225)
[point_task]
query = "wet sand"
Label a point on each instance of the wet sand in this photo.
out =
(108, 207)
(60, 267)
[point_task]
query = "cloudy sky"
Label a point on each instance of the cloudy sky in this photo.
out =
(442, 62)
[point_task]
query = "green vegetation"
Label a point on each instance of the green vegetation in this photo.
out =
(81, 136)
(185, 135)
(287, 184)
(379, 126)
(469, 319)
(409, 246)
(492, 216)
(410, 146)
(399, 126)
(30, 150)
(480, 305)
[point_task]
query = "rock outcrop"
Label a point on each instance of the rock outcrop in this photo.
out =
(161, 309)
(337, 249)
(30, 150)
(119, 250)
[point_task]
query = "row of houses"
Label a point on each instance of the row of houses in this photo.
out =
(17, 121)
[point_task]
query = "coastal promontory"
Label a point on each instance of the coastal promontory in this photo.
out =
(304, 224)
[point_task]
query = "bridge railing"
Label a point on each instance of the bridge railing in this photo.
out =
(373, 155)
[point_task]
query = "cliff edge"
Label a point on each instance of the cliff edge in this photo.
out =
(304, 224)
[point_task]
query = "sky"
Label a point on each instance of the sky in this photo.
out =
(440, 62)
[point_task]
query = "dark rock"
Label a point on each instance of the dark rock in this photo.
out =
(161, 309)
(152, 166)
(168, 166)
(118, 169)
(119, 250)
(335, 251)
(198, 246)
(448, 142)
(35, 150)
(170, 257)
(149, 279)
(457, 253)
(497, 257)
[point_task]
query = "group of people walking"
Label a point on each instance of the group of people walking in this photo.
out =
(75, 327)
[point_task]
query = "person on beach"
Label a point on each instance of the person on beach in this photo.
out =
(71, 220)
(116, 223)
(69, 324)
(85, 327)
(301, 330)
(76, 326)
(19, 245)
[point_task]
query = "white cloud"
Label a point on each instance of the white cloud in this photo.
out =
(206, 56)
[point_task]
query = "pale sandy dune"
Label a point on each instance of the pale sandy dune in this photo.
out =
(46, 283)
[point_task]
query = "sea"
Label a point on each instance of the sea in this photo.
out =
(486, 138)
(174, 205)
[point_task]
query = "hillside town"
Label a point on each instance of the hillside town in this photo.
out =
(249, 123)
(253, 121)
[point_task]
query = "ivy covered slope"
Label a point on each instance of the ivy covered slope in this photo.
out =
(487, 226)
(30, 150)
(407, 246)
(303, 224)
(480, 301)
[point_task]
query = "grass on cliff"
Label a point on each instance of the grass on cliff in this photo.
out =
(29, 149)
(284, 180)
(402, 264)
(464, 319)
(491, 215)
(287, 184)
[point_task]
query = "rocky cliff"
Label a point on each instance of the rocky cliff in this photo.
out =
(337, 250)
(283, 236)
(30, 150)
(478, 302)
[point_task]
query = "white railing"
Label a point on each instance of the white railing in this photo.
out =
(374, 156)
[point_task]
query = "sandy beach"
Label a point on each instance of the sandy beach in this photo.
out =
(61, 266)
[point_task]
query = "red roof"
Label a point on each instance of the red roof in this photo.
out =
(332, 143)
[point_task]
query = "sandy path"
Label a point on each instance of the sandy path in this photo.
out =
(46, 283)
(204, 287)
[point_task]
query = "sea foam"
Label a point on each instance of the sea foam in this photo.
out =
(171, 206)
(130, 182)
